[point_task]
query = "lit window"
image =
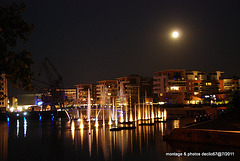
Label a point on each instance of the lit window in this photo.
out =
(208, 84)
(174, 88)
(196, 93)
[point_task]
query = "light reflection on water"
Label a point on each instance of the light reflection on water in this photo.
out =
(65, 140)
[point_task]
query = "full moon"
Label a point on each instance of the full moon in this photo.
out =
(175, 34)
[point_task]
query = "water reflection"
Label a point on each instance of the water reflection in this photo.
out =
(17, 127)
(89, 144)
(69, 140)
(176, 123)
(3, 141)
(103, 143)
(73, 130)
(24, 127)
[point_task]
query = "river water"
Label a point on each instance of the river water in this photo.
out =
(62, 140)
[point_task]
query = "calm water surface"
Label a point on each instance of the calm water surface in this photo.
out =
(23, 140)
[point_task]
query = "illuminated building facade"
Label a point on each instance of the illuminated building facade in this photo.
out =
(184, 86)
(122, 91)
(231, 84)
(70, 95)
(3, 93)
(170, 85)
(176, 86)
(13, 103)
(82, 94)
(203, 85)
(128, 88)
(29, 102)
(107, 92)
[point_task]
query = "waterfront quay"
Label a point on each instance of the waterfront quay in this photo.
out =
(219, 132)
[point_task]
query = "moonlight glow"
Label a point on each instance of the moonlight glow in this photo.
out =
(175, 34)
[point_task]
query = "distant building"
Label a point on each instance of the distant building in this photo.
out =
(174, 86)
(70, 96)
(128, 89)
(82, 94)
(185, 86)
(122, 91)
(203, 85)
(170, 85)
(29, 102)
(231, 84)
(13, 103)
(3, 93)
(107, 92)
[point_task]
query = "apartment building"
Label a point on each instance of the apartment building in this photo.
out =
(70, 95)
(29, 102)
(107, 92)
(3, 93)
(185, 86)
(170, 85)
(174, 86)
(231, 84)
(82, 94)
(128, 90)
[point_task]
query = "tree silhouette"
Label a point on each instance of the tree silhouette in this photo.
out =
(233, 108)
(14, 63)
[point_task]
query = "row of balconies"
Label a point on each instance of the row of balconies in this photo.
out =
(231, 84)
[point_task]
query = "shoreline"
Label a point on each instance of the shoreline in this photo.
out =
(216, 132)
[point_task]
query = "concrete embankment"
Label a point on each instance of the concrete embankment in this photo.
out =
(205, 136)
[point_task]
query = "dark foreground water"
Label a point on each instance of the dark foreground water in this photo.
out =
(25, 140)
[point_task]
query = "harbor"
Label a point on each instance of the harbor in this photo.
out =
(119, 80)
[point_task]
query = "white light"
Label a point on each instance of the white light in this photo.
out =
(196, 93)
(25, 113)
(175, 34)
(40, 103)
(174, 88)
(20, 109)
(11, 109)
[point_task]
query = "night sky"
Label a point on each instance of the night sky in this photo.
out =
(90, 40)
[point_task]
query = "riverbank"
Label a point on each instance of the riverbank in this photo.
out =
(218, 132)
(219, 124)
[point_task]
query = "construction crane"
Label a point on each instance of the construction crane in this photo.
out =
(52, 93)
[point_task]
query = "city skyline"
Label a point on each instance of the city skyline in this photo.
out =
(93, 41)
(15, 92)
